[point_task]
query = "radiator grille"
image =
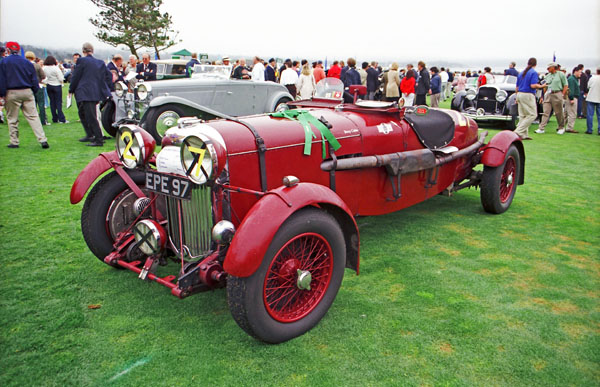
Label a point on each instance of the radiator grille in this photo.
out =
(196, 221)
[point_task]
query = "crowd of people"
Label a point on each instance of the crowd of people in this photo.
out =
(27, 82)
(30, 81)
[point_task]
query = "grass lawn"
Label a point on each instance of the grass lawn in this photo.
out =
(447, 295)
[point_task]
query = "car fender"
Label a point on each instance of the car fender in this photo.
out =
(495, 151)
(273, 99)
(456, 103)
(102, 163)
(258, 228)
(172, 99)
(511, 105)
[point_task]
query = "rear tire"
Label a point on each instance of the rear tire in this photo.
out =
(108, 197)
(272, 305)
(499, 184)
(161, 118)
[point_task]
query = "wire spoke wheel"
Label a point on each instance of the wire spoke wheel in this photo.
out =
(499, 184)
(287, 295)
(297, 280)
(507, 182)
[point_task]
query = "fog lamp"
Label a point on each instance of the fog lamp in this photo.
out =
(150, 237)
(223, 232)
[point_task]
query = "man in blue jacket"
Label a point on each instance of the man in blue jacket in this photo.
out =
(91, 84)
(189, 67)
(18, 83)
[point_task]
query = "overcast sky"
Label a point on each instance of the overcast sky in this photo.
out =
(457, 31)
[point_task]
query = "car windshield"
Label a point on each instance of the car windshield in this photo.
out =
(472, 81)
(330, 88)
(210, 71)
(511, 79)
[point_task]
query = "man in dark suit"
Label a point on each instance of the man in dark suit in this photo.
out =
(146, 70)
(91, 84)
(116, 68)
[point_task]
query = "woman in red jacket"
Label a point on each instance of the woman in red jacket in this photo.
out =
(407, 87)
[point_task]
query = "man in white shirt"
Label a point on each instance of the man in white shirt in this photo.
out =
(593, 102)
(444, 77)
(258, 70)
(289, 77)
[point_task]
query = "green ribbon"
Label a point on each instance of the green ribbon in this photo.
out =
(306, 119)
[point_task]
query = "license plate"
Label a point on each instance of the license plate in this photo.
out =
(169, 185)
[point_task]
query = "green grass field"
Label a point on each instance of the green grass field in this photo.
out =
(447, 295)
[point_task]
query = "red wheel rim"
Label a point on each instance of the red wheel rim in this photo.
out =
(507, 182)
(283, 296)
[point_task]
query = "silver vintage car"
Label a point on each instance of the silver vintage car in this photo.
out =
(209, 94)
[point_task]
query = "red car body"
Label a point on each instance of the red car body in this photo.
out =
(265, 186)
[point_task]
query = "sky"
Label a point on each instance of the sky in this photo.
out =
(455, 31)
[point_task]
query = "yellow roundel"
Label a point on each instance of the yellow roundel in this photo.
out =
(198, 159)
(129, 148)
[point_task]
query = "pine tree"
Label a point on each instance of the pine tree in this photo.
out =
(135, 24)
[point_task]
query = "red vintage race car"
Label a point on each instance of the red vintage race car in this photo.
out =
(265, 204)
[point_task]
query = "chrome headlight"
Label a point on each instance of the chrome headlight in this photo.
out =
(120, 89)
(223, 232)
(471, 94)
(149, 236)
(143, 91)
(198, 158)
(134, 146)
(501, 95)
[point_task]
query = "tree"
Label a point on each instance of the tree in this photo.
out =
(135, 24)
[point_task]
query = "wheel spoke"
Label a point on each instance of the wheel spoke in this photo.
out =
(284, 300)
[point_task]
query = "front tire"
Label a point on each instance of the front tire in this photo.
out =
(108, 210)
(499, 184)
(162, 118)
(108, 118)
(512, 124)
(297, 281)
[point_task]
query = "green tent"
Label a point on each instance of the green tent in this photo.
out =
(183, 52)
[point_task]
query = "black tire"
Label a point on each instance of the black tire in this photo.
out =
(280, 105)
(512, 124)
(108, 118)
(167, 114)
(456, 103)
(107, 195)
(499, 184)
(247, 297)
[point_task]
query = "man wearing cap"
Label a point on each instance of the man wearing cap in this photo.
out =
(554, 98)
(91, 84)
(18, 83)
(226, 61)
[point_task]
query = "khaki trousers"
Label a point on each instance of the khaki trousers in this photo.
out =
(24, 100)
(553, 101)
(570, 113)
(435, 99)
(527, 113)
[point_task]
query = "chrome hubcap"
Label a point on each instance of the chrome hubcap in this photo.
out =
(165, 121)
(304, 279)
(509, 180)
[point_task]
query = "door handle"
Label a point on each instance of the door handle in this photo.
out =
(229, 92)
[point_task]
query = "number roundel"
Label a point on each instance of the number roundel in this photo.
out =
(198, 158)
(129, 148)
